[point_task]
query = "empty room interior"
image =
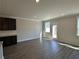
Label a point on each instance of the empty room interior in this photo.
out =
(39, 29)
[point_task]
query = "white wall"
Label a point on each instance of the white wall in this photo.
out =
(67, 30)
(25, 30)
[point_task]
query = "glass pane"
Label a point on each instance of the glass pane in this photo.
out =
(47, 26)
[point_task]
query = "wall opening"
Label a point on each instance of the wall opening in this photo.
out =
(54, 31)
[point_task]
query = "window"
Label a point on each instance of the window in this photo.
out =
(47, 26)
(78, 26)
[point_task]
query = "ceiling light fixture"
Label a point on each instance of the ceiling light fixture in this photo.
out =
(37, 1)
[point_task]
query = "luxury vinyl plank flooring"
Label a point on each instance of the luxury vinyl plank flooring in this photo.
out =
(35, 49)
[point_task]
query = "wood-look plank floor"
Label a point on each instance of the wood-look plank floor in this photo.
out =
(35, 50)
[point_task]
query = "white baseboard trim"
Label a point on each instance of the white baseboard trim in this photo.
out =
(27, 39)
(70, 46)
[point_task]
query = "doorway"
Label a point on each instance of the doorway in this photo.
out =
(54, 31)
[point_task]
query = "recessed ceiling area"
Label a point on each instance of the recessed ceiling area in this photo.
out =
(44, 10)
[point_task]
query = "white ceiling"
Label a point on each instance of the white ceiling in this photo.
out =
(44, 10)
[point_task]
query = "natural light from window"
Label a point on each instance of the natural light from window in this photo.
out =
(47, 26)
(77, 26)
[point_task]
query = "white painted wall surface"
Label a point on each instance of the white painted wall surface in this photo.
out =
(27, 30)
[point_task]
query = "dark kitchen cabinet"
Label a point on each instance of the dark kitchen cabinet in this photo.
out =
(9, 40)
